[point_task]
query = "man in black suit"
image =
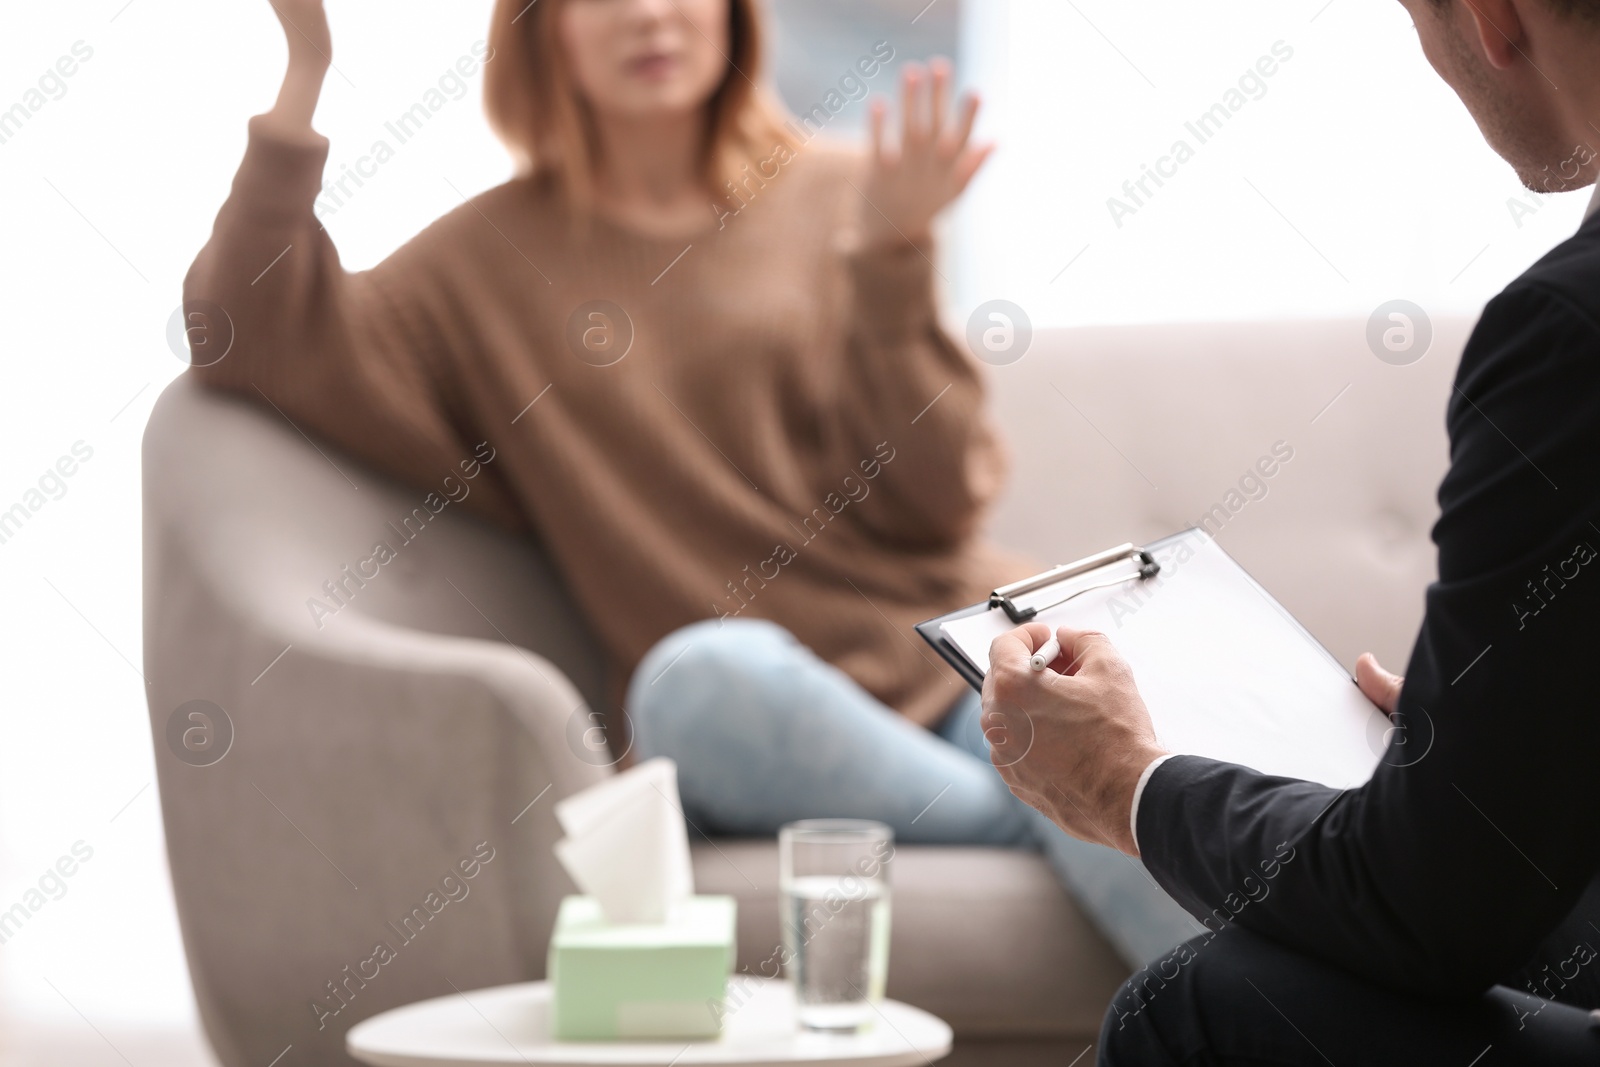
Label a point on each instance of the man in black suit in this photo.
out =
(1448, 911)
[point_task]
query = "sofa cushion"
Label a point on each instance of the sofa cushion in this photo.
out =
(985, 938)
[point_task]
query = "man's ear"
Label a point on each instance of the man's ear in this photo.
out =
(1499, 30)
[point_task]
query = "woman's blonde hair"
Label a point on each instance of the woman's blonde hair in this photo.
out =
(534, 107)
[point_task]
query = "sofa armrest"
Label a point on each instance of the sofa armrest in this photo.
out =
(363, 771)
(378, 830)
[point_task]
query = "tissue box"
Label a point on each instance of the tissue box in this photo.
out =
(640, 981)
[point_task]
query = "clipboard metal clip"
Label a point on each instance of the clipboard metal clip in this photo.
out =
(1005, 597)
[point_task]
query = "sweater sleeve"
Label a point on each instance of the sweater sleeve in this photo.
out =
(910, 392)
(350, 358)
(1479, 833)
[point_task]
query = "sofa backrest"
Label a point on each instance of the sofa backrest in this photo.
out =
(1129, 433)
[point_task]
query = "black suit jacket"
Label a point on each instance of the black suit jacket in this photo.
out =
(1468, 858)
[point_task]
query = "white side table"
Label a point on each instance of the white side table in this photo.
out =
(510, 1024)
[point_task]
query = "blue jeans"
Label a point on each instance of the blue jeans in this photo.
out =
(765, 733)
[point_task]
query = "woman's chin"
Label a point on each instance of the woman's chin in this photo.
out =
(657, 104)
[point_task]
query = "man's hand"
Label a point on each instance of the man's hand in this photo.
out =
(1073, 739)
(935, 159)
(1380, 687)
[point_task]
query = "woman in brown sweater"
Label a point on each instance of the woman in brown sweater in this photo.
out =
(704, 351)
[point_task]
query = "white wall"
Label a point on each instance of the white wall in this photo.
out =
(140, 150)
(1355, 144)
(110, 189)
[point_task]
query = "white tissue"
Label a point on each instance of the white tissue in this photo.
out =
(627, 845)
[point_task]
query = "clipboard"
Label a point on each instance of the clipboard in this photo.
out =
(1226, 671)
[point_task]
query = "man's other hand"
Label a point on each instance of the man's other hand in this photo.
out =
(1381, 687)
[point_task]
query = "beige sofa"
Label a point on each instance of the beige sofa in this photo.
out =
(444, 707)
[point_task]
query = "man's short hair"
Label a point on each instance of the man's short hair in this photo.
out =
(1587, 9)
(1584, 9)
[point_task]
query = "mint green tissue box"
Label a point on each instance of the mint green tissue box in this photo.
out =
(640, 982)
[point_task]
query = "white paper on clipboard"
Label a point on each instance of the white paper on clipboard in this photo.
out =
(1226, 672)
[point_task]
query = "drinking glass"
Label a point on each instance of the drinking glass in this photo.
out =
(833, 875)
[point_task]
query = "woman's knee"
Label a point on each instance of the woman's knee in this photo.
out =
(711, 649)
(697, 675)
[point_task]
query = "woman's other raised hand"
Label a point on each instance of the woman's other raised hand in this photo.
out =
(932, 162)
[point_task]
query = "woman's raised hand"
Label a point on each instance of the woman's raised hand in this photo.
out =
(305, 27)
(934, 160)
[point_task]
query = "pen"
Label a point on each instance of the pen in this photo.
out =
(1046, 655)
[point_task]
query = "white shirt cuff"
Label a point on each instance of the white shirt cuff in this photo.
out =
(1138, 791)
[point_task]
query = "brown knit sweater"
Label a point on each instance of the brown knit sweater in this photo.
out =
(790, 435)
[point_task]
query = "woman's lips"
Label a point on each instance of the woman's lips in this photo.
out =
(652, 67)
